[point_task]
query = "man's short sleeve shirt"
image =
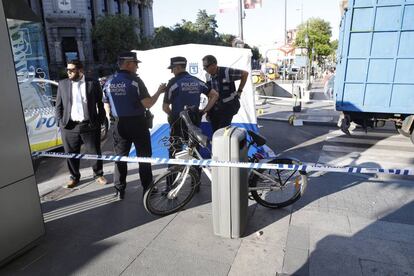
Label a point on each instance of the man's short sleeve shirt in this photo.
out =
(224, 77)
(124, 93)
(184, 90)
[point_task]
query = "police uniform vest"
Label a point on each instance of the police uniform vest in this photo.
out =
(184, 90)
(228, 99)
(125, 94)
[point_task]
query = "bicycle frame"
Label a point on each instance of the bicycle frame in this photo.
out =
(189, 152)
(270, 188)
(183, 175)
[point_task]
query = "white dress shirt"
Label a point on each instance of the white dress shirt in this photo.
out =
(79, 111)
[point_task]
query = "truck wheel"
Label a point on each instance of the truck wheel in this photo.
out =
(402, 132)
(399, 128)
(412, 137)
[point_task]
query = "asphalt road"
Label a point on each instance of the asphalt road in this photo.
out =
(300, 142)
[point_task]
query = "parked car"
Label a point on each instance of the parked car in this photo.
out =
(38, 99)
(289, 72)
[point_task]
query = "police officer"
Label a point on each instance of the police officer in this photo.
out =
(184, 90)
(127, 98)
(222, 80)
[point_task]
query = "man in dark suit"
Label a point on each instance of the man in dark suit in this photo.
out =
(79, 114)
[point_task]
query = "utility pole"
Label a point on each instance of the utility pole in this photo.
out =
(240, 20)
(301, 13)
(285, 35)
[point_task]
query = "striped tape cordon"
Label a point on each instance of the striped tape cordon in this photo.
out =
(213, 163)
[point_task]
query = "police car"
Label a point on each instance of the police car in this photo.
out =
(38, 99)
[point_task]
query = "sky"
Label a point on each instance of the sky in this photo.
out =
(262, 27)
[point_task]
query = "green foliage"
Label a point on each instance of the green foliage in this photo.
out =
(206, 23)
(255, 52)
(334, 44)
(203, 31)
(319, 34)
(114, 34)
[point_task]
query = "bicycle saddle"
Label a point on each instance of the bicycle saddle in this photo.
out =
(193, 130)
(257, 138)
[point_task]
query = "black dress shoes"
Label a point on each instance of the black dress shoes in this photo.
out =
(119, 193)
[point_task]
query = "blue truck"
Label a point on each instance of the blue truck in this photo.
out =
(374, 81)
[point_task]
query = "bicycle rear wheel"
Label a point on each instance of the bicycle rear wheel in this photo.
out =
(277, 188)
(171, 191)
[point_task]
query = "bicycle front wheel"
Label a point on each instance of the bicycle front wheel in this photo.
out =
(277, 188)
(171, 191)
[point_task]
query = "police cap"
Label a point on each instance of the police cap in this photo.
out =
(128, 56)
(177, 61)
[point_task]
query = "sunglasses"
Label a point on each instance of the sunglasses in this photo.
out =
(70, 70)
(206, 66)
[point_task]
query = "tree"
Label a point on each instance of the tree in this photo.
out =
(255, 52)
(203, 31)
(163, 37)
(319, 34)
(206, 24)
(225, 39)
(114, 34)
(334, 46)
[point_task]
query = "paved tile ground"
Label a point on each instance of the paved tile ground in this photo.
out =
(343, 226)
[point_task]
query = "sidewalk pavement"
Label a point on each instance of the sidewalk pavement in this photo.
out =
(318, 110)
(341, 226)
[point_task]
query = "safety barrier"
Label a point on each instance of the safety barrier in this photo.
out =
(212, 163)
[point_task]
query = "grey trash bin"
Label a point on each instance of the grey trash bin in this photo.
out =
(229, 185)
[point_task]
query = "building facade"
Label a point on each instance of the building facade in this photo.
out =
(68, 26)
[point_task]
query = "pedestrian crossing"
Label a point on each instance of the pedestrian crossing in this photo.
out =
(373, 149)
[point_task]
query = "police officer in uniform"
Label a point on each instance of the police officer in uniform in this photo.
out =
(222, 80)
(127, 98)
(184, 90)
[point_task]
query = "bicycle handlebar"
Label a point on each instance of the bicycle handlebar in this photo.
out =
(193, 130)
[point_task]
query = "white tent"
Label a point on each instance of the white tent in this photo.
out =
(153, 71)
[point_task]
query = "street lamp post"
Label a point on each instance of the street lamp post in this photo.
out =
(311, 63)
(307, 62)
(240, 14)
(285, 36)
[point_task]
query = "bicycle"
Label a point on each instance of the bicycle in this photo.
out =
(171, 191)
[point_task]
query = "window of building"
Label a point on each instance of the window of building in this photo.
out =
(69, 48)
(117, 7)
(104, 5)
(140, 10)
(129, 8)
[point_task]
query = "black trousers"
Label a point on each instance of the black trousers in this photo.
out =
(128, 131)
(73, 135)
(220, 119)
(222, 114)
(178, 129)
